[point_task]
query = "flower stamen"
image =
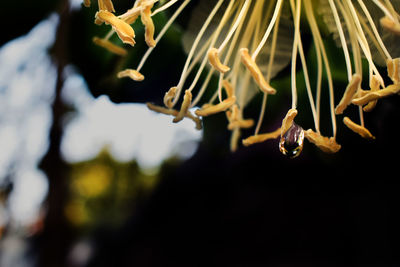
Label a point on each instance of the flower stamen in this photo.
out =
(362, 131)
(110, 46)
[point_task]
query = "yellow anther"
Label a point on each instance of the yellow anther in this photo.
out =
(256, 72)
(169, 96)
(351, 89)
(187, 100)
(215, 61)
(213, 109)
(288, 120)
(228, 88)
(106, 5)
(109, 46)
(86, 3)
(123, 29)
(145, 16)
(393, 69)
(326, 144)
(371, 96)
(362, 131)
(375, 86)
(261, 137)
(244, 124)
(133, 74)
(131, 15)
(236, 133)
(174, 112)
(390, 25)
(235, 119)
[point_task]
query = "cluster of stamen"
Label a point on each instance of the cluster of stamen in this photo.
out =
(246, 27)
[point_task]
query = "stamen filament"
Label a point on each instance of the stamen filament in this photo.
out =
(342, 39)
(162, 32)
(192, 50)
(269, 29)
(294, 52)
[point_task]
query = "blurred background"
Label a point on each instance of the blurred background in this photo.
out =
(90, 177)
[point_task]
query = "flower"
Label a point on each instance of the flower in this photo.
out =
(247, 43)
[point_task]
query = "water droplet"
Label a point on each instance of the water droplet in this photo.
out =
(291, 143)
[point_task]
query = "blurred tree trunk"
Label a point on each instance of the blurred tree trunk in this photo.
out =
(55, 240)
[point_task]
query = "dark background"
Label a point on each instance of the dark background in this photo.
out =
(254, 207)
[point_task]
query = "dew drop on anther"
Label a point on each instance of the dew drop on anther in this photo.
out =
(291, 143)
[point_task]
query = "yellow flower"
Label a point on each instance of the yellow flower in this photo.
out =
(246, 43)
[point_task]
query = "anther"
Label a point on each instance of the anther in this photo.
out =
(326, 144)
(123, 29)
(133, 74)
(187, 99)
(351, 89)
(362, 131)
(214, 60)
(256, 72)
(213, 109)
(109, 46)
